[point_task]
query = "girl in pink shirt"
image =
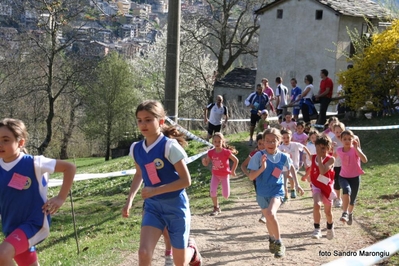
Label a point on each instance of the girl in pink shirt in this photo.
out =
(220, 156)
(349, 177)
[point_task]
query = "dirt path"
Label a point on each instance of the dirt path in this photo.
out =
(235, 237)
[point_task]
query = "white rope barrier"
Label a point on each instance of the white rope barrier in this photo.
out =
(367, 256)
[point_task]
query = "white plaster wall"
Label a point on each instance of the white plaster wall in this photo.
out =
(297, 44)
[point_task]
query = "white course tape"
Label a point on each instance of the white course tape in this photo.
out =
(80, 177)
(365, 128)
(187, 133)
(367, 256)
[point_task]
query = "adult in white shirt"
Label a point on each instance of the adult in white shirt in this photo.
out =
(281, 98)
(306, 104)
(216, 112)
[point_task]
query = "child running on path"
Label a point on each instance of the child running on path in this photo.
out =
(244, 165)
(293, 149)
(322, 180)
(160, 164)
(312, 149)
(25, 209)
(349, 177)
(220, 156)
(336, 140)
(266, 168)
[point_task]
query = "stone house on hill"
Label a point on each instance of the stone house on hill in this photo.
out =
(235, 86)
(300, 37)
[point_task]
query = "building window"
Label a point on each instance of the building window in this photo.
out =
(239, 98)
(279, 13)
(319, 14)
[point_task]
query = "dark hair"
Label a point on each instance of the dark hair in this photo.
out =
(17, 128)
(301, 123)
(286, 131)
(259, 137)
(279, 79)
(309, 78)
(294, 79)
(323, 140)
(288, 113)
(312, 132)
(348, 133)
(156, 109)
(325, 72)
(224, 144)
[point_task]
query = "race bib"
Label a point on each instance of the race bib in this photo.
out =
(323, 179)
(152, 173)
(18, 181)
(276, 172)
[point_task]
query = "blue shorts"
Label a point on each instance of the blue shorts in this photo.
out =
(174, 214)
(264, 202)
(296, 110)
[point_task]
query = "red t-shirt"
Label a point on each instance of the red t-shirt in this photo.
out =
(326, 83)
(324, 182)
(220, 162)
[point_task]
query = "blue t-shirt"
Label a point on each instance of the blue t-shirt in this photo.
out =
(270, 183)
(295, 92)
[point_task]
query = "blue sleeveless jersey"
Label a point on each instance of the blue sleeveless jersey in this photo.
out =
(268, 185)
(165, 170)
(23, 208)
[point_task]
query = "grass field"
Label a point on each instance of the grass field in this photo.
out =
(105, 237)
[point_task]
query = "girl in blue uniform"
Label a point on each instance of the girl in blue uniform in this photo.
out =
(266, 167)
(160, 165)
(24, 207)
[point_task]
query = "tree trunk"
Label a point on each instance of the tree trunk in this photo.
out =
(67, 135)
(49, 125)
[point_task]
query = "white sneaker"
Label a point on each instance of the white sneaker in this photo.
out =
(169, 260)
(262, 219)
(317, 233)
(330, 233)
(338, 203)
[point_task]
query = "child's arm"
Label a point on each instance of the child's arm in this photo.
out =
(68, 170)
(298, 188)
(244, 166)
(134, 187)
(235, 164)
(183, 182)
(359, 151)
(255, 173)
(205, 161)
(307, 151)
(324, 168)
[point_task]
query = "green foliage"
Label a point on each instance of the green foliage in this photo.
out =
(374, 76)
(111, 101)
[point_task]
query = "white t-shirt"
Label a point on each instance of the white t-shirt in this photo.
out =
(216, 113)
(293, 150)
(312, 149)
(310, 93)
(282, 92)
(337, 143)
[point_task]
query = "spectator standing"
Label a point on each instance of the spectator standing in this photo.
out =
(295, 92)
(324, 96)
(281, 96)
(257, 101)
(269, 91)
(216, 113)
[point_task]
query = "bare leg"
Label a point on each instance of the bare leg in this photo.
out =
(149, 237)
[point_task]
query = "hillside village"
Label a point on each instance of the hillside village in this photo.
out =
(122, 25)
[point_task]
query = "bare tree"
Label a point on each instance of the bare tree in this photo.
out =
(228, 30)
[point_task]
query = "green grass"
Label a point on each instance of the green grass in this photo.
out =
(105, 238)
(377, 206)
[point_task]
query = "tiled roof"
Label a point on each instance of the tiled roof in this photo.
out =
(354, 8)
(238, 78)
